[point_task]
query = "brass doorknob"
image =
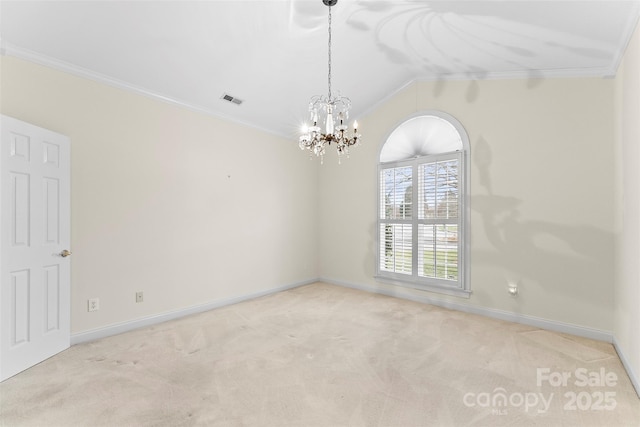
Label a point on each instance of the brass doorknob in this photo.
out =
(65, 253)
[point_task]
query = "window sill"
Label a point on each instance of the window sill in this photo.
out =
(456, 292)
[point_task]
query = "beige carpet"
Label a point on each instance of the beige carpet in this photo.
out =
(322, 355)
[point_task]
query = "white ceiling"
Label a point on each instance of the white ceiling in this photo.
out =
(272, 54)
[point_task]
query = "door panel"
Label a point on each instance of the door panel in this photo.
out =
(20, 291)
(19, 208)
(34, 229)
(52, 297)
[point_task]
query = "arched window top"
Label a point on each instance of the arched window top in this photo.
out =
(423, 205)
(426, 134)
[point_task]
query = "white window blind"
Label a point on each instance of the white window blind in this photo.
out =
(438, 210)
(420, 225)
(396, 248)
(396, 211)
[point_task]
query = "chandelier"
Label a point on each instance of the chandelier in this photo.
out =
(334, 112)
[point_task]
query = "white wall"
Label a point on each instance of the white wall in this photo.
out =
(188, 208)
(542, 177)
(627, 289)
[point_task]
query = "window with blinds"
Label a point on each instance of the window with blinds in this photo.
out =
(420, 220)
(423, 205)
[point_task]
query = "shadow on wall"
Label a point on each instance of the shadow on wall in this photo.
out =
(563, 259)
(535, 78)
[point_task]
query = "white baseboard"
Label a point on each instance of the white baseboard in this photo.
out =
(537, 322)
(118, 328)
(567, 328)
(524, 319)
(625, 362)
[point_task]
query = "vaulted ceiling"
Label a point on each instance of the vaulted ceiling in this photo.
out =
(272, 54)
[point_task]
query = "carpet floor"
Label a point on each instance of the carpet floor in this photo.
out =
(323, 355)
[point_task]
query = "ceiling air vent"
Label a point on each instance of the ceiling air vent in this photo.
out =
(231, 99)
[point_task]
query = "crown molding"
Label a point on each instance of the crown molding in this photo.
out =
(563, 73)
(8, 49)
(627, 34)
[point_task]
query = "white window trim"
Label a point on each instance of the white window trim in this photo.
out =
(462, 287)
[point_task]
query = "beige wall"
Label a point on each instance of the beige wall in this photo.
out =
(167, 201)
(542, 177)
(627, 289)
(188, 208)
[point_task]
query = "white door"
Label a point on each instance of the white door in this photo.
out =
(35, 278)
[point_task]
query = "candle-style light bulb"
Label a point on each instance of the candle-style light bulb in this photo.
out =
(329, 124)
(355, 125)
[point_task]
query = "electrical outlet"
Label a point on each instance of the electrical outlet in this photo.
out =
(139, 296)
(93, 304)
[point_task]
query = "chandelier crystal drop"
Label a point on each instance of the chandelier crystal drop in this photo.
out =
(333, 112)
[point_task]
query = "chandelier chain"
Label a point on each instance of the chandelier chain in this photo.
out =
(329, 76)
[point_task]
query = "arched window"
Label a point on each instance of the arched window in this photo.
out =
(423, 205)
